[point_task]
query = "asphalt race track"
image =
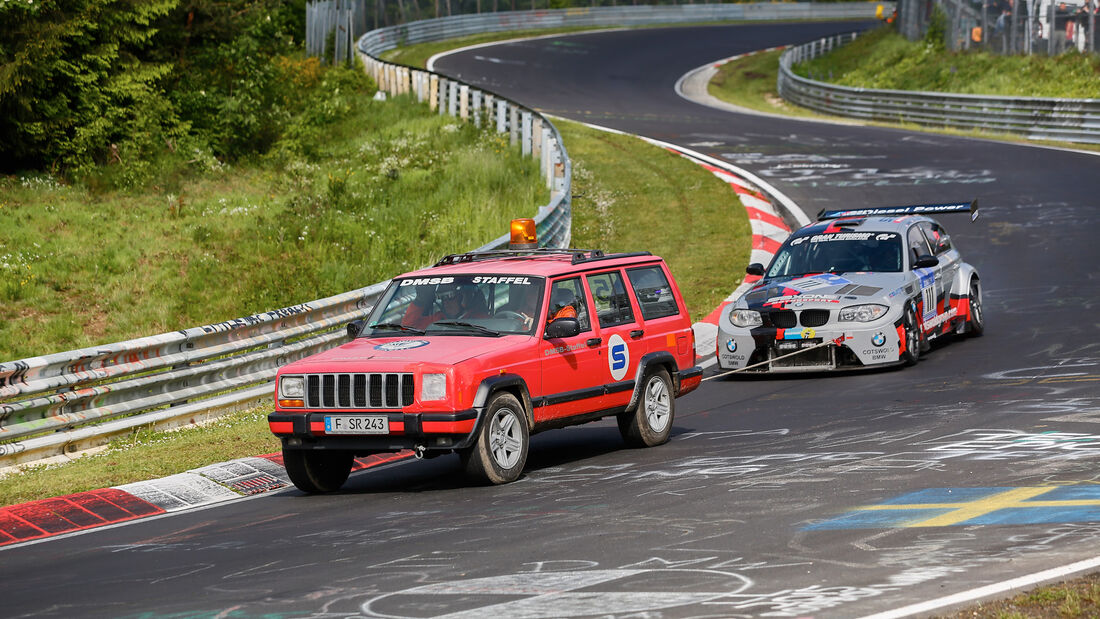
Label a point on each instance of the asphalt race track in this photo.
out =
(839, 496)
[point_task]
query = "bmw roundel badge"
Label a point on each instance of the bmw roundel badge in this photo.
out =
(731, 345)
(878, 339)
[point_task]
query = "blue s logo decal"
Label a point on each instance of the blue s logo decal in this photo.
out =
(618, 357)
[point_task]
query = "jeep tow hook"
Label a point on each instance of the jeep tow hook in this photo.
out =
(419, 451)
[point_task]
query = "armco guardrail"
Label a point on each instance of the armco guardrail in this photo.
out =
(1070, 120)
(75, 400)
(79, 399)
(378, 41)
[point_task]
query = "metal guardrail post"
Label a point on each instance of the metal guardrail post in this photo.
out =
(525, 123)
(513, 124)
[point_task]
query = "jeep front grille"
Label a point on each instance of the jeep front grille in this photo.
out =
(359, 390)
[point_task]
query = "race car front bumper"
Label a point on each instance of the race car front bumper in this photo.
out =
(853, 346)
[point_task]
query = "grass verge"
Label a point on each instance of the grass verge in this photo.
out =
(750, 82)
(883, 59)
(388, 188)
(1072, 599)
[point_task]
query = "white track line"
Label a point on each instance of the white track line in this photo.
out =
(988, 591)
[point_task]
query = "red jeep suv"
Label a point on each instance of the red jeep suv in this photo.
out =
(481, 350)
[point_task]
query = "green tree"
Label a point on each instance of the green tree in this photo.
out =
(227, 82)
(74, 82)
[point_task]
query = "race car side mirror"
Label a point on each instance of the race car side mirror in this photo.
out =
(355, 327)
(926, 262)
(562, 327)
(755, 269)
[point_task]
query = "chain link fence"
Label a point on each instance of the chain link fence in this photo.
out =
(1005, 26)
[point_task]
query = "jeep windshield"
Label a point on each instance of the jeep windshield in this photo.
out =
(838, 253)
(486, 305)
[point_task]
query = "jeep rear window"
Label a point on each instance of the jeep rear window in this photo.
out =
(653, 291)
(506, 304)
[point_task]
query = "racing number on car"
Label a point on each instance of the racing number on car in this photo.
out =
(927, 293)
(618, 358)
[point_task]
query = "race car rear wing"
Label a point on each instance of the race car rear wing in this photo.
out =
(915, 209)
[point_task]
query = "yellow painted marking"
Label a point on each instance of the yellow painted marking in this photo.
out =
(972, 509)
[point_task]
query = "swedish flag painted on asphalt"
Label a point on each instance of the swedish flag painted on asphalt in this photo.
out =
(945, 507)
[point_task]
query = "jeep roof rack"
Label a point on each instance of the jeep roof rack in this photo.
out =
(578, 255)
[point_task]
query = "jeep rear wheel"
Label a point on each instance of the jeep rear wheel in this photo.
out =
(317, 471)
(650, 423)
(503, 440)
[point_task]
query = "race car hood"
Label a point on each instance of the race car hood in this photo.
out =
(825, 290)
(395, 354)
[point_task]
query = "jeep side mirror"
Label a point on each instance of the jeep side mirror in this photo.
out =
(755, 269)
(562, 327)
(355, 327)
(926, 262)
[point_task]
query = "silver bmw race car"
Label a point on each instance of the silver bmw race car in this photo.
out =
(858, 288)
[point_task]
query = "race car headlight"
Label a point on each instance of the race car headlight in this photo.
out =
(863, 313)
(745, 318)
(433, 387)
(292, 387)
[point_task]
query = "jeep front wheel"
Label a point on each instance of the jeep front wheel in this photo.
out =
(317, 471)
(503, 439)
(651, 421)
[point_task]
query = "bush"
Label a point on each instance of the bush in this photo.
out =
(75, 82)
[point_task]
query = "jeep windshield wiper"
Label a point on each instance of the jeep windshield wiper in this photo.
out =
(394, 325)
(465, 325)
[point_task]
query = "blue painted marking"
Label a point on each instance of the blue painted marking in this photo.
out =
(1072, 493)
(618, 357)
(876, 520)
(944, 495)
(909, 511)
(1038, 515)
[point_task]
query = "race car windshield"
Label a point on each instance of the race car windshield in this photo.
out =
(484, 305)
(838, 252)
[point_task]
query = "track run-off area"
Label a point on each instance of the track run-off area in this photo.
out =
(878, 493)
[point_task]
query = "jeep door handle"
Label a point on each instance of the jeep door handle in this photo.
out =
(594, 341)
(637, 333)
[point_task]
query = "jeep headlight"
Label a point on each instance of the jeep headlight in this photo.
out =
(863, 313)
(292, 387)
(745, 318)
(433, 387)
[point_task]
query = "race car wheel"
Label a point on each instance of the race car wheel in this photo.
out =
(975, 325)
(317, 471)
(650, 422)
(503, 440)
(912, 338)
